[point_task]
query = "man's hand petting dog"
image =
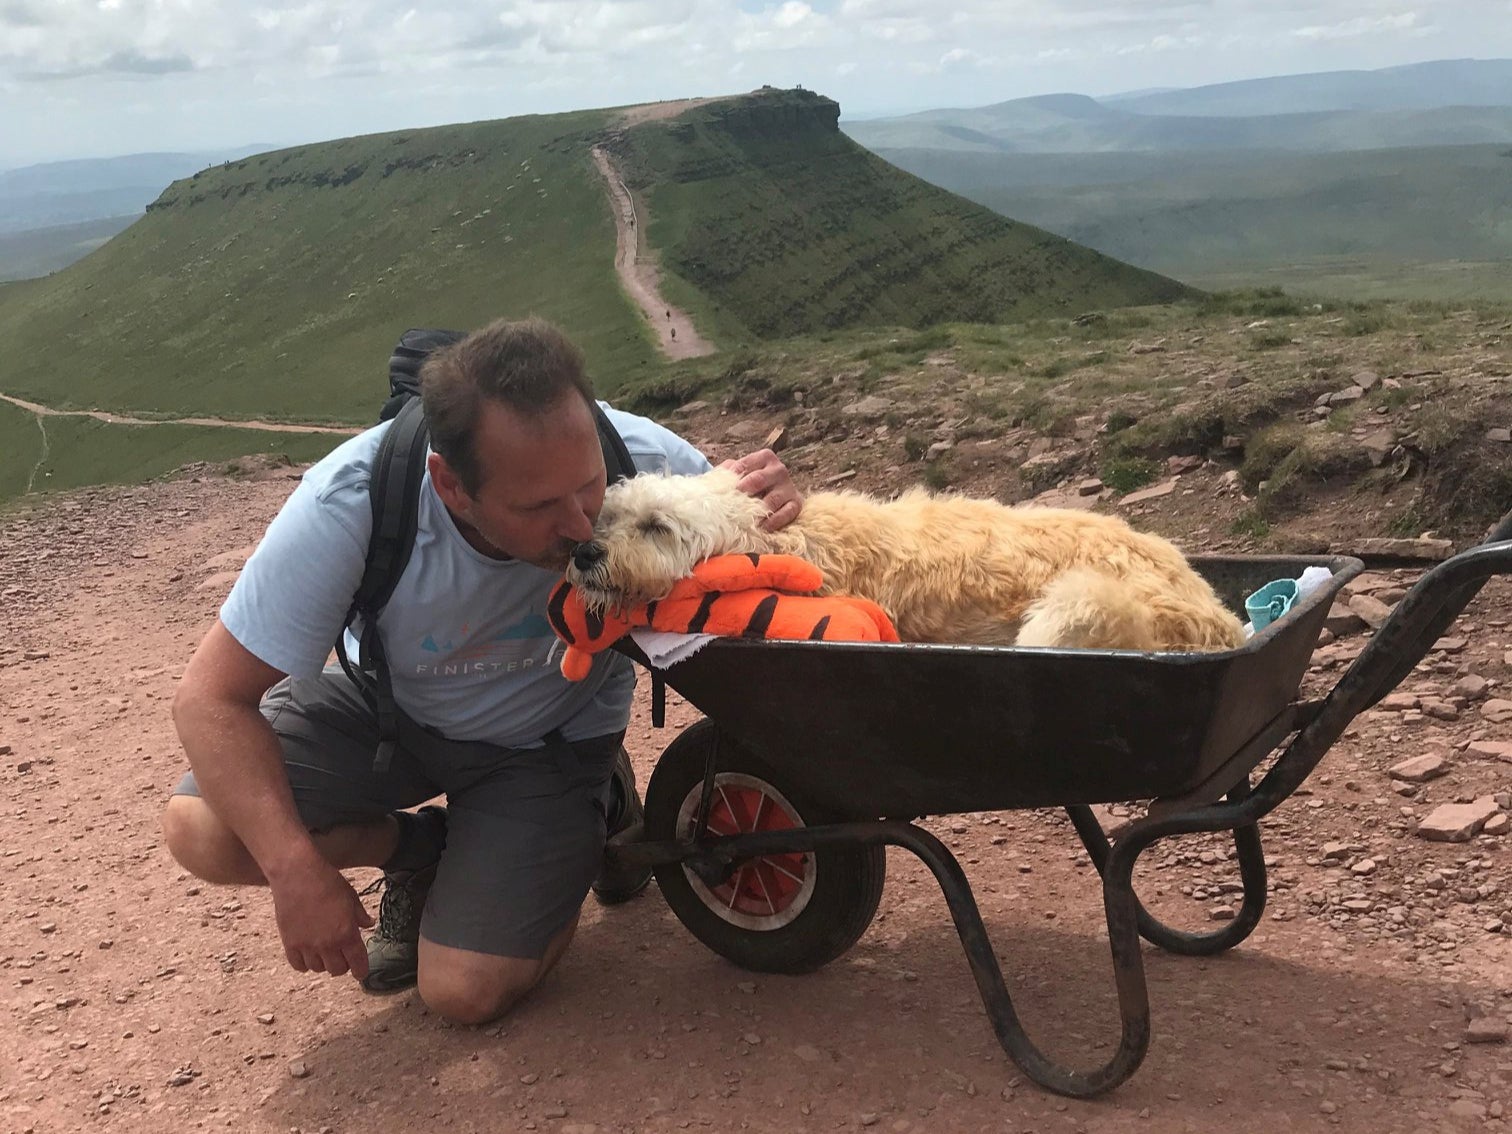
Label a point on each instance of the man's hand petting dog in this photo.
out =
(763, 475)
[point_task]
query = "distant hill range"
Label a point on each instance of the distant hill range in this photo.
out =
(275, 285)
(1446, 103)
(1391, 182)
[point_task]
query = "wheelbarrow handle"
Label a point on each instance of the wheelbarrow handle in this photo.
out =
(1402, 641)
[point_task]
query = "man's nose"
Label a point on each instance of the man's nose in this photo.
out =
(575, 527)
(586, 556)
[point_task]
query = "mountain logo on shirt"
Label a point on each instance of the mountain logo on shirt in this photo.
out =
(516, 647)
(531, 626)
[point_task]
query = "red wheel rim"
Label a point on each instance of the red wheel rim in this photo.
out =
(760, 893)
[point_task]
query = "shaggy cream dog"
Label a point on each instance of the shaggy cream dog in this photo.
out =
(945, 568)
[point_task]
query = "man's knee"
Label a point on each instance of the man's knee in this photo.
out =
(475, 988)
(470, 997)
(203, 845)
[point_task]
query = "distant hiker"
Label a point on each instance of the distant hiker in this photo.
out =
(674, 332)
(481, 897)
(669, 316)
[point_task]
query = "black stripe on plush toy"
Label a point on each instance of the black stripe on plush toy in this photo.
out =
(556, 614)
(705, 608)
(755, 558)
(761, 618)
(817, 633)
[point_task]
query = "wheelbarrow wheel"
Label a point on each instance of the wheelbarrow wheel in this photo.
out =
(779, 914)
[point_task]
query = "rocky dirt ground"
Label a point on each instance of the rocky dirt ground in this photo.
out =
(1375, 996)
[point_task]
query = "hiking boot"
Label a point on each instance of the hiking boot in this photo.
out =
(616, 884)
(394, 948)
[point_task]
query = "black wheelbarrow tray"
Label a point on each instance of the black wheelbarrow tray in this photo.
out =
(767, 823)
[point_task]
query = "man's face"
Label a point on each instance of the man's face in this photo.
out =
(542, 481)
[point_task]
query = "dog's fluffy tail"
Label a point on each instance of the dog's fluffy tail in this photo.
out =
(1085, 609)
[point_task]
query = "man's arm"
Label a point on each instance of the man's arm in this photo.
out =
(238, 765)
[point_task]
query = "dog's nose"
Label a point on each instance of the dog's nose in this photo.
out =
(586, 556)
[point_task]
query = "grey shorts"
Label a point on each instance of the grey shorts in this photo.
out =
(526, 826)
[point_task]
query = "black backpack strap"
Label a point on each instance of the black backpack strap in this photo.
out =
(394, 488)
(617, 460)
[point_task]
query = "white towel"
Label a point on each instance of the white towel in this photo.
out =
(663, 649)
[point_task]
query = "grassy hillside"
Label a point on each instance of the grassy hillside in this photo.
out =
(78, 451)
(275, 286)
(777, 224)
(1405, 222)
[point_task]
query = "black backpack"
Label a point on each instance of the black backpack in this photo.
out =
(397, 473)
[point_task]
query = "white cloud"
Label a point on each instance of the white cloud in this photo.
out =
(119, 73)
(1360, 26)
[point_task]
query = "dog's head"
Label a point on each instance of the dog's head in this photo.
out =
(653, 529)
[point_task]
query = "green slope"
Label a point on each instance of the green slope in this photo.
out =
(275, 286)
(773, 223)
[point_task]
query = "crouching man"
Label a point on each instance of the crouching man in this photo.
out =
(482, 896)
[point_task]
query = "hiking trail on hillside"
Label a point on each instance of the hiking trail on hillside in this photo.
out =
(214, 422)
(675, 333)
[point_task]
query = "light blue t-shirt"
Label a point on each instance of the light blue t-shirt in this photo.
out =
(469, 649)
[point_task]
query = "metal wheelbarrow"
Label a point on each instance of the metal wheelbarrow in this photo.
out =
(767, 822)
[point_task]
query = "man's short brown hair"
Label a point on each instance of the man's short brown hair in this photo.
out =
(527, 365)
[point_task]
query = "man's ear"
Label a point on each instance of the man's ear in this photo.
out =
(448, 485)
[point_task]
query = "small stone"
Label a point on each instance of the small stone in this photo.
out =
(1496, 749)
(808, 1053)
(1487, 1029)
(1221, 913)
(750, 1038)
(1441, 710)
(868, 1119)
(298, 1070)
(1364, 868)
(1499, 434)
(1089, 487)
(530, 1078)
(1497, 710)
(181, 1077)
(1472, 686)
(1456, 822)
(1327, 1107)
(871, 406)
(1419, 769)
(1371, 609)
(1398, 702)
(1154, 492)
(1342, 621)
(1497, 824)
(555, 1112)
(265, 1018)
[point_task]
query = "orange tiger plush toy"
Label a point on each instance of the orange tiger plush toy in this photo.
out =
(733, 596)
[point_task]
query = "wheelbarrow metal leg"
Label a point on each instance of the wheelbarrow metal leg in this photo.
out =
(1251, 857)
(1123, 936)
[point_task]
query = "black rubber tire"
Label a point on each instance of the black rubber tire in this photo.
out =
(847, 880)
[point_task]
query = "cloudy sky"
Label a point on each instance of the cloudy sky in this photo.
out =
(81, 78)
